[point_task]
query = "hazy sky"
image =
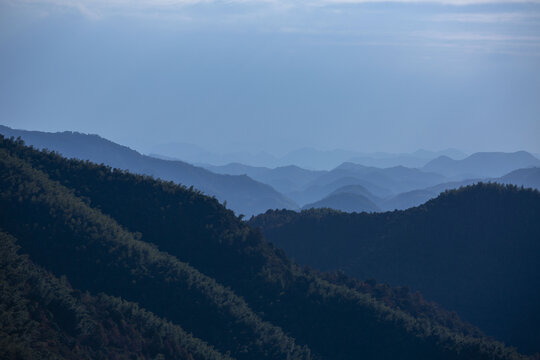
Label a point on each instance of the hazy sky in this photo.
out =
(275, 75)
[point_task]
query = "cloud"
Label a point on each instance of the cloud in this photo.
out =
(483, 42)
(444, 2)
(487, 18)
(341, 25)
(469, 36)
(97, 8)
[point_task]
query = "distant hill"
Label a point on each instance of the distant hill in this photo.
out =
(474, 250)
(343, 201)
(315, 191)
(523, 177)
(482, 164)
(350, 198)
(416, 159)
(408, 199)
(243, 194)
(413, 198)
(380, 182)
(357, 189)
(286, 179)
(307, 187)
(528, 178)
(101, 263)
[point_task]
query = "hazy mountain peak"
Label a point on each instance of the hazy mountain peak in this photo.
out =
(482, 164)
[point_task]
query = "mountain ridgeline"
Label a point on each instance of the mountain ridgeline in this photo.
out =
(99, 262)
(474, 250)
(242, 194)
(482, 164)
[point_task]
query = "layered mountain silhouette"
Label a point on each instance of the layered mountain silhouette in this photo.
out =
(350, 198)
(242, 194)
(389, 188)
(349, 202)
(529, 178)
(416, 159)
(98, 262)
(386, 189)
(381, 182)
(304, 157)
(482, 164)
(474, 250)
(286, 179)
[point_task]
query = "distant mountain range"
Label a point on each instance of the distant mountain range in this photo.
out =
(308, 186)
(286, 179)
(395, 179)
(243, 194)
(251, 190)
(474, 250)
(482, 165)
(416, 159)
(381, 183)
(391, 188)
(304, 157)
(528, 178)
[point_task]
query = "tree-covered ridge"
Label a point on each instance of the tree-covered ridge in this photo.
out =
(473, 250)
(266, 295)
(99, 256)
(43, 317)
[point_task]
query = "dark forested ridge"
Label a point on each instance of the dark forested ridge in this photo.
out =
(185, 259)
(475, 250)
(43, 317)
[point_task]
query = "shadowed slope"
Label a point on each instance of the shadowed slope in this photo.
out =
(474, 250)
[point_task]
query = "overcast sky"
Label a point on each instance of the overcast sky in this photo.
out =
(274, 75)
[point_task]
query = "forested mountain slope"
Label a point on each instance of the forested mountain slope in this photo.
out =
(43, 317)
(188, 260)
(243, 194)
(475, 250)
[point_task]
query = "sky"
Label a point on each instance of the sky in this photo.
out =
(276, 75)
